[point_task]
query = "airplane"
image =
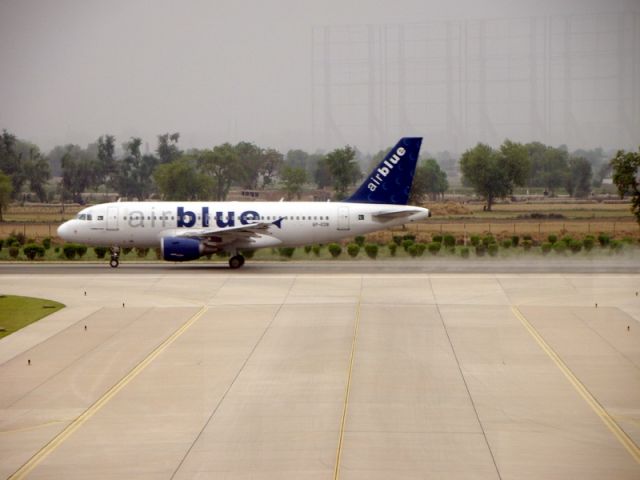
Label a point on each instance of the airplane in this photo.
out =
(188, 230)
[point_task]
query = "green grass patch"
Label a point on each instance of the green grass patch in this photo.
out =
(18, 312)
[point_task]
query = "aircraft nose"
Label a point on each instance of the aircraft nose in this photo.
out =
(64, 230)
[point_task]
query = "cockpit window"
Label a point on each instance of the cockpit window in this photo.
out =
(82, 216)
(89, 216)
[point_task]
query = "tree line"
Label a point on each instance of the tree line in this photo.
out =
(171, 173)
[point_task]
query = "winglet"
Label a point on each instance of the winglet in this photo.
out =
(390, 182)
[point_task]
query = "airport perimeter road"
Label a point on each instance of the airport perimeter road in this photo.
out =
(177, 373)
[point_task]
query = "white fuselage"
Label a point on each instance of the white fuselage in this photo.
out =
(144, 224)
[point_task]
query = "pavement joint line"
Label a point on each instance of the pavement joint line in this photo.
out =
(582, 390)
(343, 421)
(45, 451)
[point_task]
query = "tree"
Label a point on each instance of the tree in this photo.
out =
(549, 166)
(578, 181)
(222, 166)
(429, 179)
(134, 172)
(494, 173)
(272, 161)
(343, 168)
(5, 193)
(250, 161)
(293, 178)
(626, 176)
(106, 159)
(11, 161)
(297, 159)
(78, 172)
(179, 180)
(37, 172)
(168, 150)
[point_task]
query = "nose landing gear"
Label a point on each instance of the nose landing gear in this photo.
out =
(115, 253)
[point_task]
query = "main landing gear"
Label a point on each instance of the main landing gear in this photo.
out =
(236, 261)
(115, 253)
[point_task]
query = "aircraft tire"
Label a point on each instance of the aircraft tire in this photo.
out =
(114, 263)
(236, 261)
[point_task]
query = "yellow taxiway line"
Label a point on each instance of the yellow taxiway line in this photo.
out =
(607, 419)
(33, 462)
(343, 421)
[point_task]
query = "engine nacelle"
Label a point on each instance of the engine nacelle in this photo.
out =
(181, 249)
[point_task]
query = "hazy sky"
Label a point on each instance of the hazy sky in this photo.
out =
(213, 70)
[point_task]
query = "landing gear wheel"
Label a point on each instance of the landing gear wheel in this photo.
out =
(115, 253)
(236, 261)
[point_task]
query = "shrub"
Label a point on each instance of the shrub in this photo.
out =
(409, 236)
(481, 249)
(412, 250)
(406, 244)
(616, 246)
(527, 237)
(286, 252)
(546, 247)
(475, 240)
(506, 243)
(560, 247)
(158, 252)
(316, 250)
(127, 251)
(488, 240)
(493, 249)
(371, 249)
(307, 249)
(335, 249)
(420, 248)
(527, 244)
(434, 247)
(552, 239)
(437, 238)
(11, 239)
(515, 240)
(14, 251)
(359, 240)
(69, 251)
(46, 243)
(588, 243)
(20, 237)
(449, 240)
(567, 239)
(393, 246)
(142, 252)
(81, 250)
(247, 253)
(31, 250)
(604, 239)
(1, 243)
(100, 251)
(575, 246)
(57, 249)
(397, 239)
(464, 252)
(353, 249)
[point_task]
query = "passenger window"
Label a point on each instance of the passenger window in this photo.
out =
(360, 217)
(100, 217)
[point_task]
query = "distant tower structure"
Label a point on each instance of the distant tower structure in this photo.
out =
(571, 79)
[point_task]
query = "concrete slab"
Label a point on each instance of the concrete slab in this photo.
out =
(445, 382)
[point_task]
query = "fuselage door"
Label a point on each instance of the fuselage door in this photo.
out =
(343, 218)
(112, 218)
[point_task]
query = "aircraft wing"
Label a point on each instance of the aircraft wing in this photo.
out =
(230, 234)
(390, 214)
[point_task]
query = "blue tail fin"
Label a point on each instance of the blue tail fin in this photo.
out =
(390, 182)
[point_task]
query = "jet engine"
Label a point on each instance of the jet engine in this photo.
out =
(183, 249)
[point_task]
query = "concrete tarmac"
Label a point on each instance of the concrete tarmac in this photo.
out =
(351, 375)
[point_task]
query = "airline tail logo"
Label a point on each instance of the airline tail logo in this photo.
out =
(381, 172)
